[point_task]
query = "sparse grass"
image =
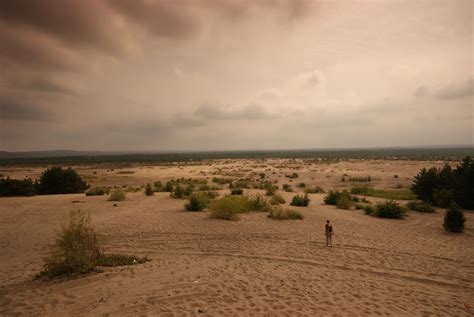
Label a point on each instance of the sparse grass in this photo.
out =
(117, 195)
(285, 213)
(270, 189)
(98, 191)
(229, 207)
(299, 200)
(420, 206)
(344, 202)
(396, 194)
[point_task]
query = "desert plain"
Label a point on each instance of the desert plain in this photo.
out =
(252, 267)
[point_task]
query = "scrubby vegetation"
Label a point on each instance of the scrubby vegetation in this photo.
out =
(292, 175)
(181, 192)
(396, 194)
(277, 200)
(56, 180)
(333, 195)
(314, 190)
(420, 206)
(454, 219)
(360, 179)
(229, 207)
(98, 191)
(16, 187)
(287, 188)
(149, 190)
(198, 201)
(117, 195)
(285, 213)
(344, 202)
(444, 186)
(388, 209)
(270, 189)
(77, 250)
(300, 200)
(236, 191)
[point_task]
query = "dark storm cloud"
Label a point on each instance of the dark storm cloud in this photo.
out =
(76, 22)
(10, 110)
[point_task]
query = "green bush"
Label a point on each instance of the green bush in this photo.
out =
(300, 200)
(111, 260)
(197, 201)
(277, 200)
(369, 210)
(287, 188)
(228, 207)
(149, 191)
(98, 191)
(443, 197)
(270, 189)
(117, 195)
(397, 194)
(454, 219)
(56, 180)
(236, 191)
(181, 192)
(16, 187)
(283, 214)
(302, 185)
(389, 209)
(258, 203)
(334, 195)
(420, 206)
(76, 250)
(158, 186)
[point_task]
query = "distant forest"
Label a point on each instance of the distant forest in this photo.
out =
(85, 158)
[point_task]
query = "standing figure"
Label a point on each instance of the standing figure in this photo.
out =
(328, 232)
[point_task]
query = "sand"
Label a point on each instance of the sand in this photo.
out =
(252, 267)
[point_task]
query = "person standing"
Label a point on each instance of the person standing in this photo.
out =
(328, 232)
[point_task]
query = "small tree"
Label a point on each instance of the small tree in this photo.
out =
(454, 219)
(56, 180)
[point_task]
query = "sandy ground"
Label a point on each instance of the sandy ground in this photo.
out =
(255, 266)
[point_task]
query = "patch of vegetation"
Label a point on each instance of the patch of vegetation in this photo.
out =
(77, 250)
(314, 190)
(299, 200)
(158, 185)
(293, 175)
(454, 219)
(236, 191)
(287, 188)
(270, 189)
(344, 202)
(334, 195)
(149, 190)
(277, 200)
(56, 180)
(16, 187)
(222, 181)
(181, 192)
(125, 172)
(420, 206)
(258, 203)
(198, 201)
(229, 207)
(360, 179)
(444, 186)
(388, 209)
(302, 185)
(98, 191)
(285, 213)
(117, 195)
(396, 194)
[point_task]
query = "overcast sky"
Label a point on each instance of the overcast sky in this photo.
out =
(234, 74)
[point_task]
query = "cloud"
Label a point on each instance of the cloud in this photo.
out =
(251, 112)
(464, 90)
(11, 110)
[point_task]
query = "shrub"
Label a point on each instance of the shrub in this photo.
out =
(398, 194)
(282, 214)
(228, 207)
(111, 260)
(149, 191)
(98, 191)
(369, 210)
(389, 209)
(236, 191)
(56, 180)
(420, 206)
(117, 195)
(314, 190)
(222, 181)
(158, 186)
(204, 187)
(76, 250)
(270, 189)
(334, 195)
(181, 192)
(300, 200)
(169, 187)
(197, 202)
(454, 219)
(344, 202)
(277, 200)
(293, 175)
(16, 187)
(360, 179)
(443, 197)
(258, 203)
(287, 188)
(302, 185)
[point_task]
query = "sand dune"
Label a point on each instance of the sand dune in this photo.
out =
(255, 266)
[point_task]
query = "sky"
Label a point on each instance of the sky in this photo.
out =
(162, 75)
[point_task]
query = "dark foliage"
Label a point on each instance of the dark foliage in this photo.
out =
(299, 200)
(56, 180)
(454, 219)
(16, 187)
